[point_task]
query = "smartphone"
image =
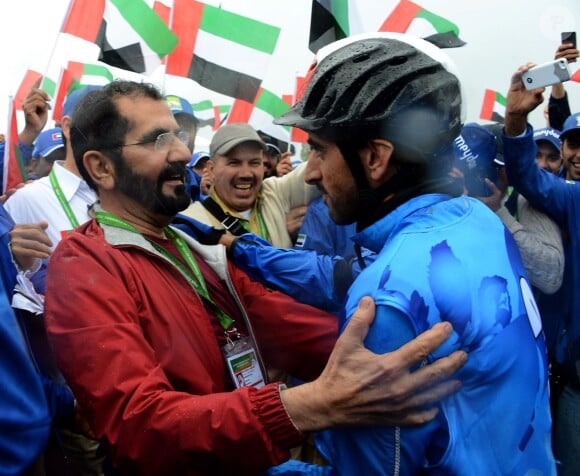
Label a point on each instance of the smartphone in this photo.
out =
(546, 74)
(569, 37)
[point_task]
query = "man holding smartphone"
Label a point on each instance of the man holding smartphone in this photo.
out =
(558, 107)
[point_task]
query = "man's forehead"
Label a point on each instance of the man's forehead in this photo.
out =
(146, 113)
(573, 136)
(245, 150)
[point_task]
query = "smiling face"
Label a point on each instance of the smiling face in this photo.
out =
(571, 154)
(548, 157)
(151, 178)
(238, 175)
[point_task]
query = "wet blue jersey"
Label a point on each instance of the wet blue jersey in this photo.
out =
(443, 259)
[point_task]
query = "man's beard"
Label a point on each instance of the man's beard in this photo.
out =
(148, 192)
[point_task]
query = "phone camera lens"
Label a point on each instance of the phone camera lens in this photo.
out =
(529, 80)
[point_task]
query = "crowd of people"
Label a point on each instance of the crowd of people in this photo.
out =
(402, 302)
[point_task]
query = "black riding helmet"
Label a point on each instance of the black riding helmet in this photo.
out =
(388, 85)
(397, 83)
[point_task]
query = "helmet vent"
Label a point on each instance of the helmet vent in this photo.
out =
(361, 58)
(397, 60)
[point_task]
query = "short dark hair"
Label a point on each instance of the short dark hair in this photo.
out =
(96, 123)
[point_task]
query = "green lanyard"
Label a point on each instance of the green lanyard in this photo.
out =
(261, 223)
(62, 199)
(193, 273)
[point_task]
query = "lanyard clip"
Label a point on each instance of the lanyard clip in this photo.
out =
(232, 334)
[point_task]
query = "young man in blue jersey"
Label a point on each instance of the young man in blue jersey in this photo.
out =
(382, 112)
(559, 198)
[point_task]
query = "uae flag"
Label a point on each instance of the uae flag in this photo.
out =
(493, 108)
(209, 114)
(333, 20)
(409, 17)
(31, 80)
(131, 35)
(261, 113)
(220, 50)
(14, 172)
(76, 76)
(328, 22)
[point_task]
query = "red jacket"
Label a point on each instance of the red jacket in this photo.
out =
(140, 353)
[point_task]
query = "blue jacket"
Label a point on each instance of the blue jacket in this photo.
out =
(442, 259)
(8, 270)
(24, 415)
(319, 233)
(559, 199)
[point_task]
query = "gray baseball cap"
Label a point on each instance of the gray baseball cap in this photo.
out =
(231, 135)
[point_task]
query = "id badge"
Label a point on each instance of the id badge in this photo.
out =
(242, 362)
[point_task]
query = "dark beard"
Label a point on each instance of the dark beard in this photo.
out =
(148, 192)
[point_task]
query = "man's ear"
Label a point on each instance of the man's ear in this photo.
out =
(100, 168)
(376, 159)
(65, 126)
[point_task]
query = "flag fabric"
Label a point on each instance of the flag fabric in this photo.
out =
(576, 76)
(130, 34)
(31, 80)
(84, 18)
(209, 114)
(222, 51)
(493, 108)
(76, 76)
(328, 22)
(409, 17)
(14, 171)
(298, 135)
(261, 113)
(333, 20)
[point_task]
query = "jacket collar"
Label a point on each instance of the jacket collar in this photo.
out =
(213, 255)
(376, 235)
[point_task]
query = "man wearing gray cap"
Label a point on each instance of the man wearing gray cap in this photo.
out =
(240, 197)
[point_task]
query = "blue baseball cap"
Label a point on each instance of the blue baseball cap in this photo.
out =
(47, 142)
(550, 135)
(73, 98)
(570, 124)
(178, 104)
(475, 154)
(196, 157)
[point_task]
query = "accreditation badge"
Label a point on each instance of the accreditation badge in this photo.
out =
(242, 362)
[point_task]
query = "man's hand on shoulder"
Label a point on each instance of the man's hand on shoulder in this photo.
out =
(360, 388)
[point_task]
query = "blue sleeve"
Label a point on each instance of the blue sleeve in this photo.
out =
(545, 192)
(26, 151)
(395, 450)
(299, 468)
(319, 233)
(2, 149)
(24, 416)
(305, 275)
(8, 269)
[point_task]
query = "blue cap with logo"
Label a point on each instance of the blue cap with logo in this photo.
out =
(548, 134)
(47, 142)
(570, 124)
(178, 104)
(475, 153)
(196, 157)
(73, 98)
